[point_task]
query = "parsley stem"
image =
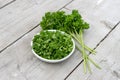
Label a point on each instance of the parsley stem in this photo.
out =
(89, 68)
(96, 65)
(83, 51)
(79, 40)
(85, 56)
(86, 47)
(84, 63)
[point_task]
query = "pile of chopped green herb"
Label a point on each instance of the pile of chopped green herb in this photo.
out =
(52, 44)
(72, 24)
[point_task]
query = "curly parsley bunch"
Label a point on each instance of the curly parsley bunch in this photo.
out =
(72, 24)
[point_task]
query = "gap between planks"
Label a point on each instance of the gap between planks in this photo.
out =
(30, 29)
(7, 4)
(19, 38)
(93, 49)
(65, 5)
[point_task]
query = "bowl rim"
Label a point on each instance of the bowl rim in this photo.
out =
(57, 60)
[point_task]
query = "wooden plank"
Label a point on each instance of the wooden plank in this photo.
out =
(19, 60)
(106, 11)
(108, 57)
(99, 10)
(3, 3)
(21, 16)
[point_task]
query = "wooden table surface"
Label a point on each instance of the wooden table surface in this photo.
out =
(19, 22)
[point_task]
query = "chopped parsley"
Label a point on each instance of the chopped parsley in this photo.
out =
(52, 45)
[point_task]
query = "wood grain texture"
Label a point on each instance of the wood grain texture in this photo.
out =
(18, 62)
(108, 57)
(21, 16)
(106, 11)
(3, 3)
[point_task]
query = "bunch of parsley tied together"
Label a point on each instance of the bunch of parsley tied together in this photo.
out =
(74, 25)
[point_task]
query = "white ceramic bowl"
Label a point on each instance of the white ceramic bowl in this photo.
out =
(54, 61)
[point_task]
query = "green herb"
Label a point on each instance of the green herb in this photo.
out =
(52, 45)
(72, 24)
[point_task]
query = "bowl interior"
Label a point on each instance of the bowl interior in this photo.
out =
(57, 60)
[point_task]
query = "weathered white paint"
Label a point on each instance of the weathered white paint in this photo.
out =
(19, 59)
(18, 63)
(99, 2)
(4, 2)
